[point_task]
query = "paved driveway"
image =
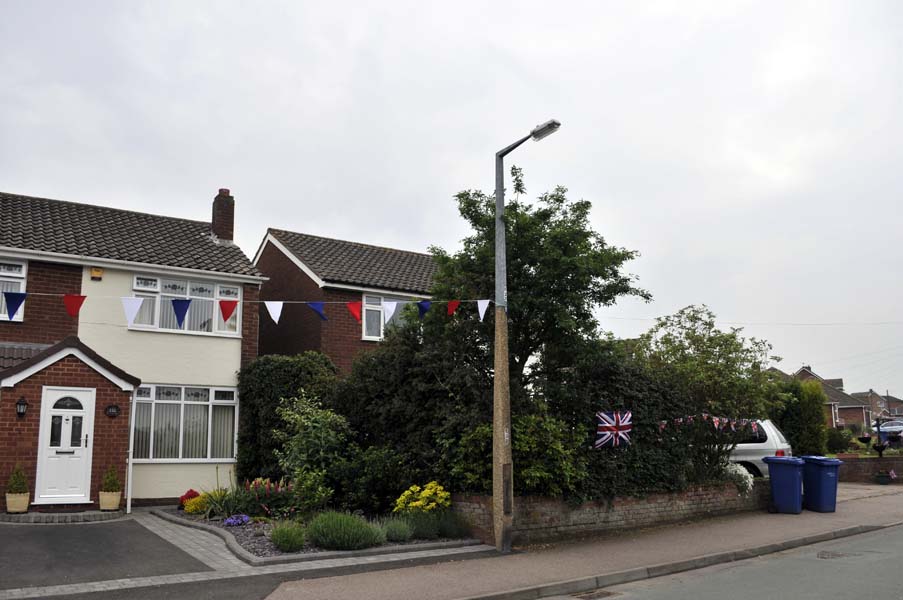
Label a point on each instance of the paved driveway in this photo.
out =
(35, 555)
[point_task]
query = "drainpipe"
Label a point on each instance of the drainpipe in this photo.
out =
(128, 482)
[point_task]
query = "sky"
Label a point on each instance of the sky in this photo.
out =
(748, 150)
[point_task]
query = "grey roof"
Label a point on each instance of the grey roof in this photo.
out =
(70, 342)
(12, 353)
(60, 227)
(837, 383)
(834, 395)
(337, 261)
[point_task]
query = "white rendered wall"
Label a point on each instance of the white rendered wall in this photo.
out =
(171, 480)
(153, 356)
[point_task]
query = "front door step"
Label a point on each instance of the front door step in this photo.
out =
(88, 516)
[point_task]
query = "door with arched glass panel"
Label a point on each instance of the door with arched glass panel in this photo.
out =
(64, 456)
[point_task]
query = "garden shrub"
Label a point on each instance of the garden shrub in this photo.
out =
(838, 440)
(17, 483)
(397, 529)
(452, 525)
(197, 505)
(369, 479)
(740, 477)
(800, 416)
(343, 531)
(288, 536)
(111, 481)
(262, 384)
(430, 498)
(187, 496)
(425, 525)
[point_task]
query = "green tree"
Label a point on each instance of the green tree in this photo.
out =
(799, 412)
(717, 372)
(262, 385)
(559, 271)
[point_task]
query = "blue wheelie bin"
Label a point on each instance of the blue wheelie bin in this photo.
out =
(786, 475)
(820, 483)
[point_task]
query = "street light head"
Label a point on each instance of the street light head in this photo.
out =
(544, 130)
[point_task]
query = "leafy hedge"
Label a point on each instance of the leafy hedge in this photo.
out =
(261, 386)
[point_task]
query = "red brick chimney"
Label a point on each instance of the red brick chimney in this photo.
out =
(223, 223)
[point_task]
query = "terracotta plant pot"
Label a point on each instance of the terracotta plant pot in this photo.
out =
(17, 503)
(110, 500)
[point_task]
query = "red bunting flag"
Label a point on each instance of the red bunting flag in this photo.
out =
(73, 304)
(355, 309)
(453, 306)
(227, 307)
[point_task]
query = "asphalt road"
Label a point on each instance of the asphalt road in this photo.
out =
(862, 566)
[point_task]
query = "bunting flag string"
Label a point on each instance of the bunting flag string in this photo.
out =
(13, 301)
(73, 303)
(719, 423)
(389, 307)
(180, 307)
(274, 308)
(453, 306)
(317, 307)
(131, 306)
(482, 305)
(422, 307)
(227, 307)
(355, 309)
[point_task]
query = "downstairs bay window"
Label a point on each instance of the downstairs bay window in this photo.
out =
(185, 423)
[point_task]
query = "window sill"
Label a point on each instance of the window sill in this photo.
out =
(184, 461)
(228, 336)
(371, 339)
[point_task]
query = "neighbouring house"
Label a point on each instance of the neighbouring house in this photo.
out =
(81, 393)
(894, 405)
(844, 409)
(305, 268)
(877, 403)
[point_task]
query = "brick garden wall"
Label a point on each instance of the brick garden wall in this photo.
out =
(862, 470)
(46, 320)
(19, 436)
(539, 519)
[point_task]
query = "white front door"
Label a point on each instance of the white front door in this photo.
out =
(64, 450)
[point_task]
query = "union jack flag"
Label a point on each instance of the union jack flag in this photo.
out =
(613, 429)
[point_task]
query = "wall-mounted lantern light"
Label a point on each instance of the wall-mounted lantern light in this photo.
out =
(21, 407)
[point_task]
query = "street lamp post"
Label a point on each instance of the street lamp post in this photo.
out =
(502, 468)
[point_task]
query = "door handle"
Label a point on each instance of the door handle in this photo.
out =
(86, 440)
(65, 451)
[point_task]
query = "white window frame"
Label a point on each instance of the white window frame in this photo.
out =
(182, 402)
(364, 308)
(157, 294)
(21, 280)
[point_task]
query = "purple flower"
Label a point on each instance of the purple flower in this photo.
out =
(236, 521)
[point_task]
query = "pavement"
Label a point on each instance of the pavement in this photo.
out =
(143, 556)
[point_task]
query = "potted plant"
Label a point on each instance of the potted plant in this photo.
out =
(17, 491)
(885, 477)
(110, 490)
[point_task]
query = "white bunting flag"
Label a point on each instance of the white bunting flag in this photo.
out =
(275, 310)
(389, 309)
(482, 305)
(131, 306)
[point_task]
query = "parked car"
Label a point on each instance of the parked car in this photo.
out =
(890, 427)
(767, 441)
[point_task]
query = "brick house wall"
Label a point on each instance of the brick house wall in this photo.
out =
(341, 334)
(250, 323)
(19, 436)
(46, 320)
(538, 519)
(853, 414)
(299, 328)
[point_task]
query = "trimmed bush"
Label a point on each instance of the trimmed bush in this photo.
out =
(452, 525)
(425, 525)
(342, 531)
(838, 440)
(397, 529)
(197, 505)
(288, 536)
(111, 481)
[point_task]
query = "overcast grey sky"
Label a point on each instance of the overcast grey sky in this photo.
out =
(749, 150)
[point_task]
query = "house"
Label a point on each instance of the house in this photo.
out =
(304, 268)
(894, 405)
(877, 403)
(844, 408)
(83, 386)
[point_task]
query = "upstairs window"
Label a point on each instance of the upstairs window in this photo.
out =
(204, 315)
(12, 279)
